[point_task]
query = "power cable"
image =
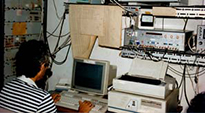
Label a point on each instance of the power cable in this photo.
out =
(186, 21)
(45, 37)
(192, 83)
(54, 4)
(55, 29)
(181, 82)
(60, 32)
(115, 2)
(196, 80)
(64, 44)
(182, 73)
(61, 62)
(185, 93)
(64, 35)
(182, 90)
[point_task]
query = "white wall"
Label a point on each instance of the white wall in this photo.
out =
(59, 71)
(123, 64)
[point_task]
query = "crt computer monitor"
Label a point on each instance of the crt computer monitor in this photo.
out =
(92, 76)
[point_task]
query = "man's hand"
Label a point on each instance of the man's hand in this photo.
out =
(56, 97)
(85, 106)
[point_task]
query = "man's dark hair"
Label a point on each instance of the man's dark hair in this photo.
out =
(29, 58)
(197, 104)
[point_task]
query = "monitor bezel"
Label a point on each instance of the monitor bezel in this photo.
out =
(104, 82)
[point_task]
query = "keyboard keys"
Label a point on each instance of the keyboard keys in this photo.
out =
(71, 101)
(97, 108)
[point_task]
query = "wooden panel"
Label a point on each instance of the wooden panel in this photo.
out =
(164, 11)
(82, 45)
(74, 15)
(92, 20)
(89, 21)
(112, 27)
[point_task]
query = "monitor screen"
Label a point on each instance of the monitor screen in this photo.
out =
(90, 76)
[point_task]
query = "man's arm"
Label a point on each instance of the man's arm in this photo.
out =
(47, 105)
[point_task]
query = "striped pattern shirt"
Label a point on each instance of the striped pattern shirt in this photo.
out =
(19, 96)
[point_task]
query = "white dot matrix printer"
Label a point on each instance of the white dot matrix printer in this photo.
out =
(145, 88)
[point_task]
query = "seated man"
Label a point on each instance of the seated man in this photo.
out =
(22, 94)
(197, 104)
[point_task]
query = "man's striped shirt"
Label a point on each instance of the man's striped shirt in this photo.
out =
(19, 96)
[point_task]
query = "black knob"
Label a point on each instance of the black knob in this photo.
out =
(200, 43)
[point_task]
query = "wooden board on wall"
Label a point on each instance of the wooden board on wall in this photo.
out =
(90, 21)
(112, 27)
(164, 11)
(82, 45)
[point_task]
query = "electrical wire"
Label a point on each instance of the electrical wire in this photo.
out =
(158, 58)
(68, 40)
(176, 84)
(44, 29)
(57, 35)
(181, 82)
(115, 2)
(185, 93)
(151, 56)
(188, 68)
(194, 51)
(192, 83)
(54, 4)
(200, 74)
(62, 47)
(181, 94)
(196, 81)
(112, 2)
(177, 73)
(64, 44)
(185, 25)
(55, 28)
(61, 62)
(60, 32)
(182, 73)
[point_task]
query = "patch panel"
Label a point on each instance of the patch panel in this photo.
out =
(168, 57)
(191, 12)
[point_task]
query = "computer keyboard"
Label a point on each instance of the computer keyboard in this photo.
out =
(71, 100)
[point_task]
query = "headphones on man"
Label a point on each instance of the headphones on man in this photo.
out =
(43, 82)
